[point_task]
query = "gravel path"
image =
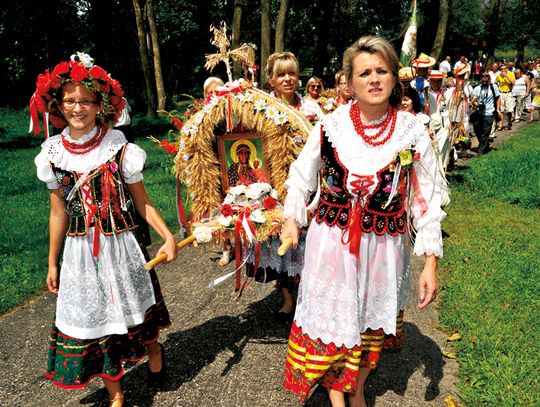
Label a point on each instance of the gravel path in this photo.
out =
(220, 352)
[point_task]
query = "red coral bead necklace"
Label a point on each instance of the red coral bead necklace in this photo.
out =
(375, 139)
(87, 146)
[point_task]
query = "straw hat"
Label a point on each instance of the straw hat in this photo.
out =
(423, 61)
(462, 69)
(406, 74)
(435, 74)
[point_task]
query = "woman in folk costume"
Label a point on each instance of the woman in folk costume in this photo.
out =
(457, 102)
(282, 72)
(376, 168)
(109, 308)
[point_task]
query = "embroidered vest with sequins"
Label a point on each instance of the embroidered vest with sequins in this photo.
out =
(115, 221)
(335, 201)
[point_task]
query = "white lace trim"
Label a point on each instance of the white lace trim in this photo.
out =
(53, 151)
(104, 296)
(295, 208)
(113, 141)
(358, 156)
(341, 296)
(291, 263)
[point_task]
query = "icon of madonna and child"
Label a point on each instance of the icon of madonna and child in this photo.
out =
(244, 162)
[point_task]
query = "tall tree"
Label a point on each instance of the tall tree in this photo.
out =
(266, 31)
(438, 43)
(279, 45)
(145, 62)
(322, 15)
(493, 21)
(161, 98)
(235, 40)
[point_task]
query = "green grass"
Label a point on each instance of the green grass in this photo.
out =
(490, 275)
(25, 206)
(512, 174)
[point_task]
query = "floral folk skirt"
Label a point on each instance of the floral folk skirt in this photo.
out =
(73, 362)
(311, 361)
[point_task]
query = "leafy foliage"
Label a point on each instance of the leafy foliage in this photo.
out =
(37, 34)
(466, 18)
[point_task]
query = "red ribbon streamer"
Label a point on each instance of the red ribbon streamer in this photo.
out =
(419, 197)
(239, 232)
(227, 90)
(180, 205)
(353, 233)
(34, 115)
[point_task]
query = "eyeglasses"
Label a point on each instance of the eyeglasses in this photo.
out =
(315, 86)
(85, 104)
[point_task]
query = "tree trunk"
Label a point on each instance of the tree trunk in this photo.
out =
(438, 43)
(321, 16)
(145, 63)
(493, 25)
(101, 16)
(265, 38)
(235, 40)
(156, 54)
(280, 26)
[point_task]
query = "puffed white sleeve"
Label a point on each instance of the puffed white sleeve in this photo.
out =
(44, 170)
(426, 200)
(133, 163)
(303, 178)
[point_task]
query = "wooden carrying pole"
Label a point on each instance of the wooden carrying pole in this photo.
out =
(162, 256)
(285, 246)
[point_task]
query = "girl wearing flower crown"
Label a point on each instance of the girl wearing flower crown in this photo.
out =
(109, 308)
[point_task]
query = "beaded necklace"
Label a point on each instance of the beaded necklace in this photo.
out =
(374, 140)
(87, 146)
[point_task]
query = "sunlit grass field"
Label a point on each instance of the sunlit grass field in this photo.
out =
(490, 273)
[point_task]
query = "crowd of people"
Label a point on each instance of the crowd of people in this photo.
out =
(497, 97)
(373, 169)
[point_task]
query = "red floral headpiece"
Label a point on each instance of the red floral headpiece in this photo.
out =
(81, 70)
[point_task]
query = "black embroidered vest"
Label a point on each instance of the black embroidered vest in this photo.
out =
(335, 201)
(115, 221)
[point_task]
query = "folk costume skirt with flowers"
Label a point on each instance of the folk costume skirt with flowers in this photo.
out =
(96, 340)
(348, 310)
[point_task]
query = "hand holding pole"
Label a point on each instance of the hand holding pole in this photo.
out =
(160, 258)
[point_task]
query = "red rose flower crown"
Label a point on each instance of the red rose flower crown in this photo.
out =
(80, 69)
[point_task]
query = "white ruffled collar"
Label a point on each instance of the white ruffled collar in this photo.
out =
(360, 157)
(88, 136)
(113, 141)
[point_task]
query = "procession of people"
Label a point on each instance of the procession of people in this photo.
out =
(365, 192)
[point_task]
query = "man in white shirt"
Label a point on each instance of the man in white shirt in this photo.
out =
(494, 72)
(462, 61)
(445, 66)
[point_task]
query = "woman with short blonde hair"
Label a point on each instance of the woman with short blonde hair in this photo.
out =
(364, 159)
(314, 87)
